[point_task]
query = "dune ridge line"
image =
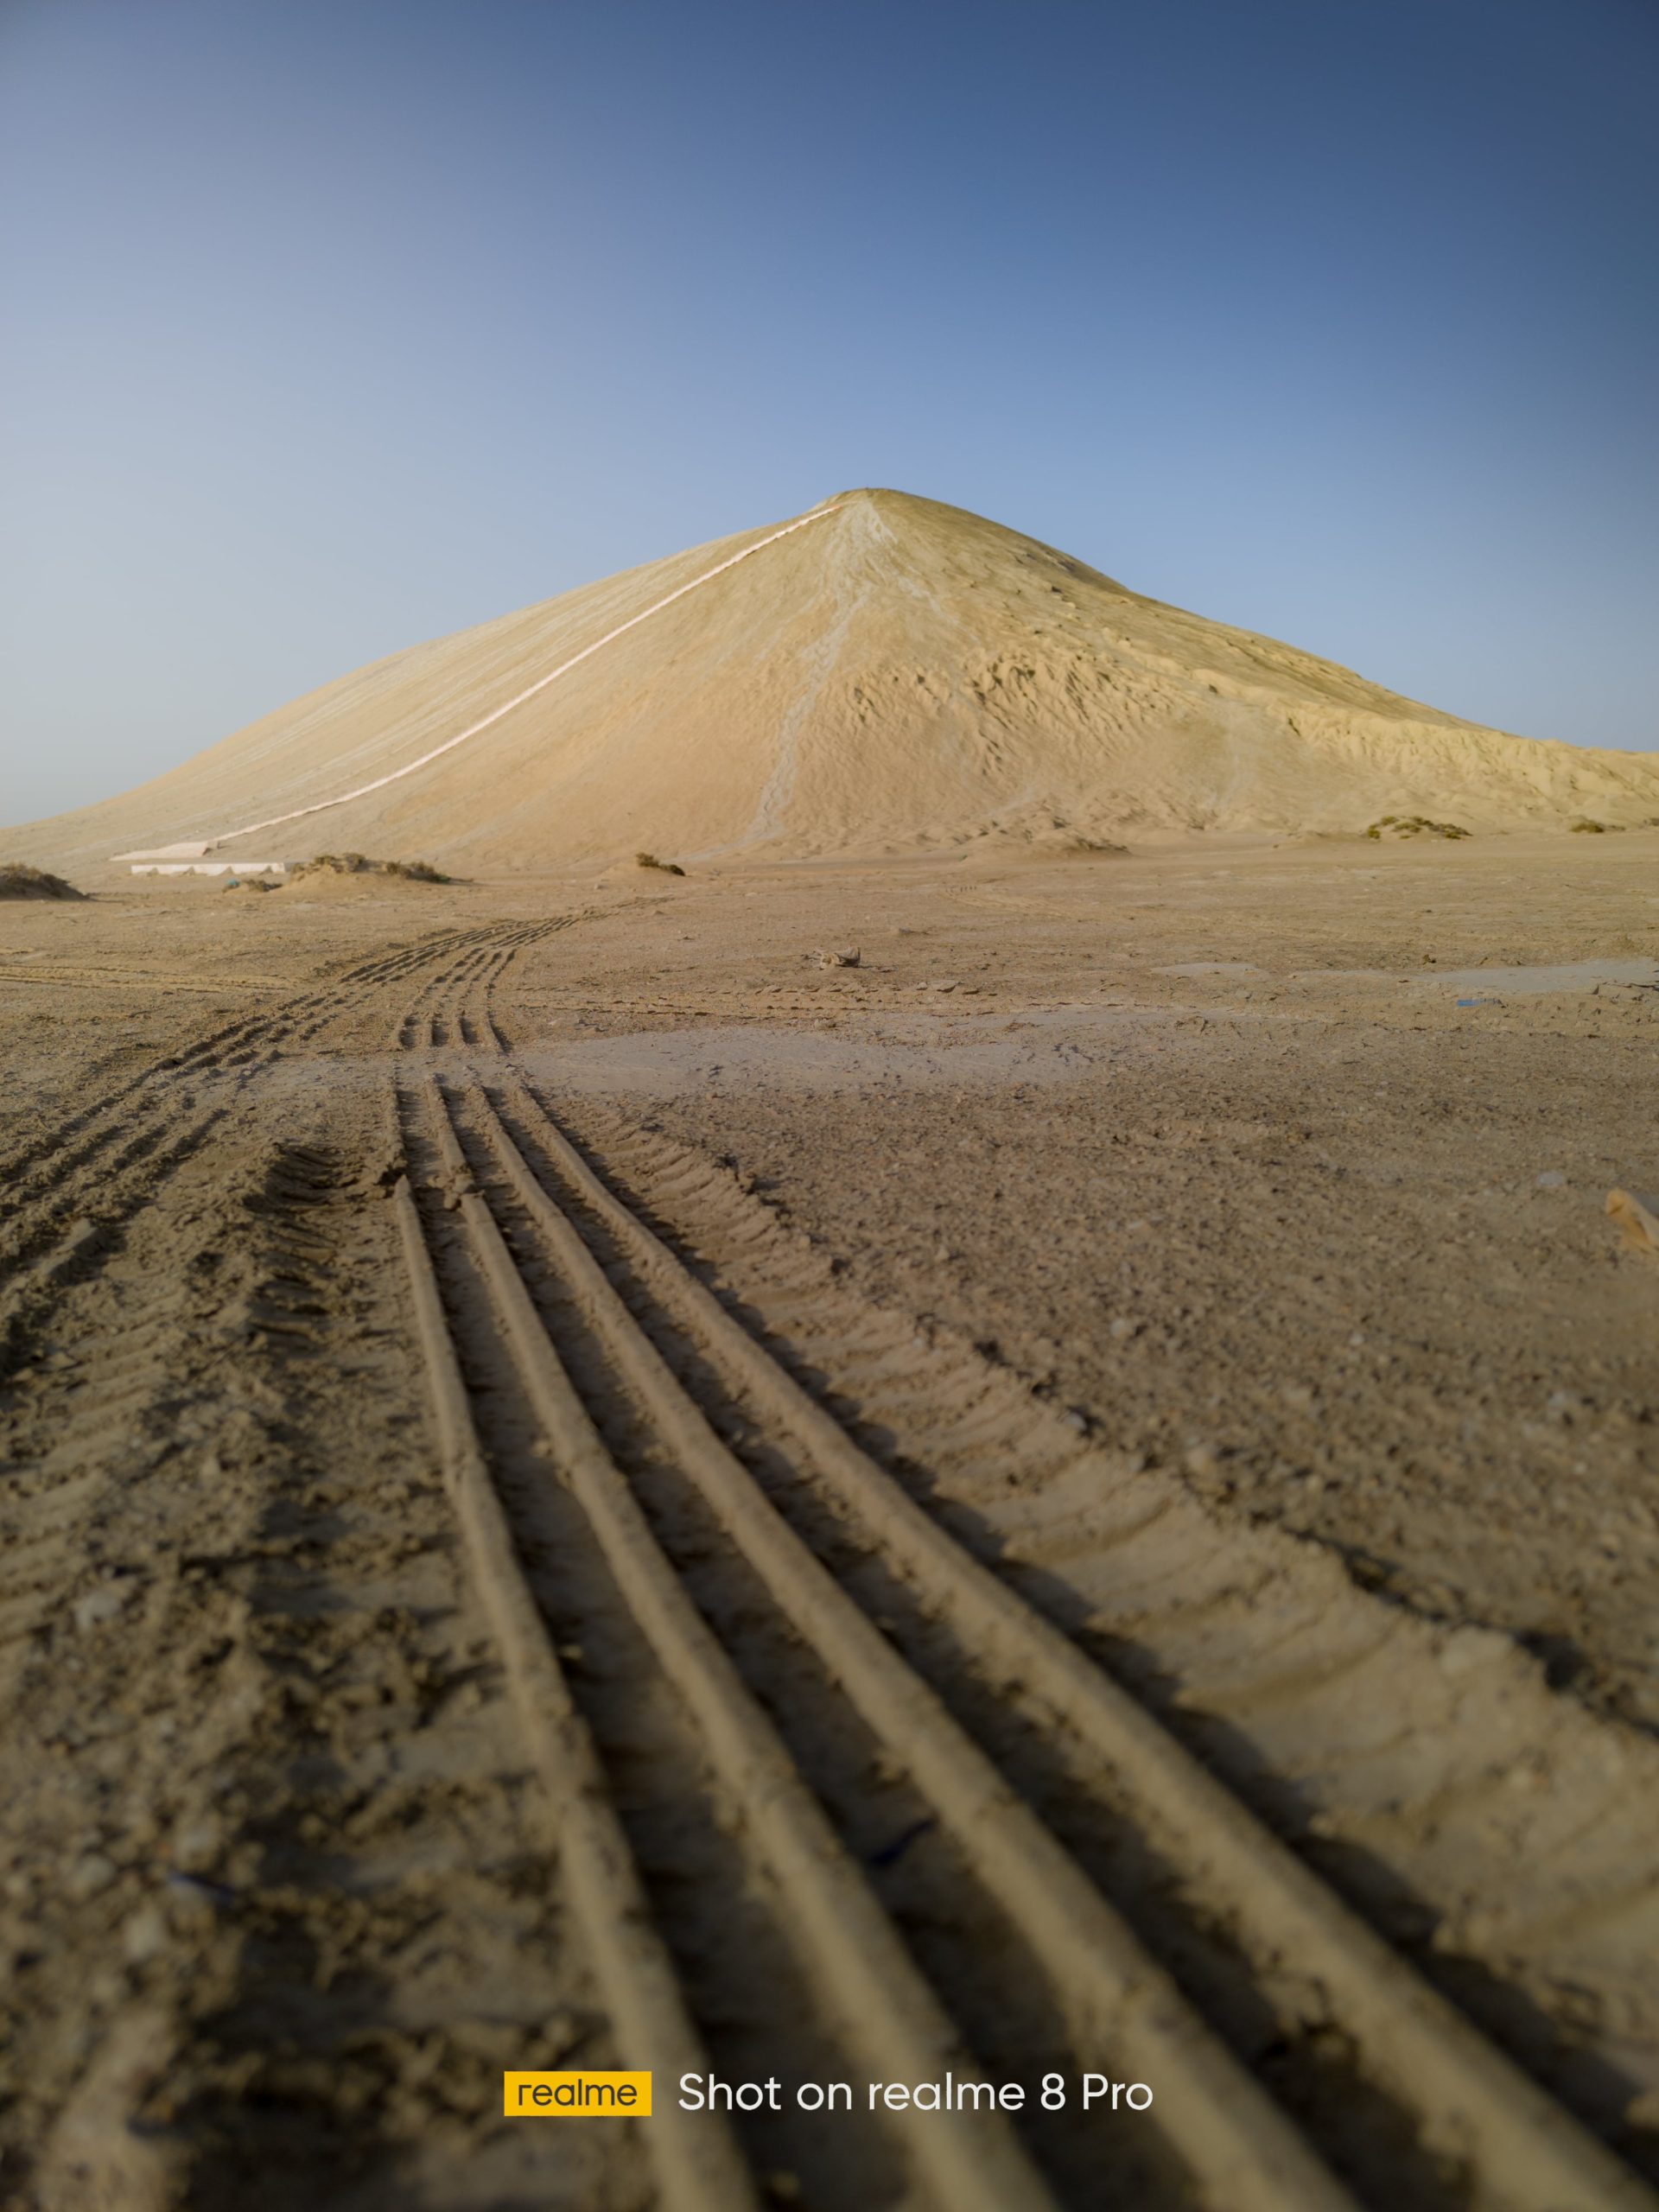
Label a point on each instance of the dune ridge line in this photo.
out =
(541, 684)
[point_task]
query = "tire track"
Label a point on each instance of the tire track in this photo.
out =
(266, 1815)
(849, 1947)
(231, 1668)
(687, 1823)
(37, 1521)
(1489, 1827)
(1123, 2010)
(1453, 2091)
(697, 2167)
(70, 1191)
(209, 1048)
(882, 1737)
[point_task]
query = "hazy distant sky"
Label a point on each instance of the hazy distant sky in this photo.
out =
(330, 328)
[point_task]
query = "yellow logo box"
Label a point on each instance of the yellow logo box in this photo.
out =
(560, 2095)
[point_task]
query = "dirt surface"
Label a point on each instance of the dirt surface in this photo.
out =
(581, 1488)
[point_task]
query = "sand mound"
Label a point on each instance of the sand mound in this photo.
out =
(19, 881)
(349, 875)
(357, 865)
(884, 674)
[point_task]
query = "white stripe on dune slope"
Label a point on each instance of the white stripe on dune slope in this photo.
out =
(274, 821)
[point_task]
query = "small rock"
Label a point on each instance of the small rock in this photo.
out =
(190, 1908)
(1551, 1180)
(88, 1876)
(100, 1604)
(1638, 1217)
(1122, 1328)
(1202, 1459)
(144, 1936)
(196, 1845)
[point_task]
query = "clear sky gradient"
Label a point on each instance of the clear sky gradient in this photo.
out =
(329, 327)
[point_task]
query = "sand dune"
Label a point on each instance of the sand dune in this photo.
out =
(887, 674)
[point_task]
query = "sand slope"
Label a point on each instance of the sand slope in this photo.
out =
(896, 674)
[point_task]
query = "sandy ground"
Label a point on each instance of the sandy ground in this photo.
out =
(1210, 1240)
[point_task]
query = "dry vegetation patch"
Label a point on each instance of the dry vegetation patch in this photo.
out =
(19, 881)
(1414, 825)
(357, 864)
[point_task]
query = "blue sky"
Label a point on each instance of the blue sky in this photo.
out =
(330, 328)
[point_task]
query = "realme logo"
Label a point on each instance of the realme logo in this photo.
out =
(576, 2096)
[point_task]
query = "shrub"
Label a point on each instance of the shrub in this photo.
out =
(356, 864)
(1416, 825)
(19, 881)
